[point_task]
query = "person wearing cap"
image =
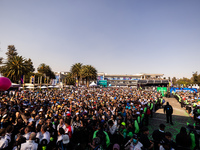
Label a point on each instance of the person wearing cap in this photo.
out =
(30, 144)
(122, 130)
(158, 135)
(145, 140)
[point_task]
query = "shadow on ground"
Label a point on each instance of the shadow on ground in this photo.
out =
(178, 121)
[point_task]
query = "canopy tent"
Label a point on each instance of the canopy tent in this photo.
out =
(51, 86)
(43, 87)
(93, 84)
(29, 87)
(56, 86)
(14, 85)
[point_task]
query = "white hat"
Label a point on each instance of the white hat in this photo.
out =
(65, 139)
(137, 112)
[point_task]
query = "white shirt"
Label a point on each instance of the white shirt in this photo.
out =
(136, 147)
(27, 135)
(8, 137)
(30, 145)
(3, 142)
(30, 119)
(59, 138)
(46, 136)
(162, 148)
(61, 126)
(39, 135)
(112, 129)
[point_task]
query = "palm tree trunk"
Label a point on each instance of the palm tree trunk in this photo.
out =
(87, 81)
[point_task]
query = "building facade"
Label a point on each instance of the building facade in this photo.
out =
(134, 80)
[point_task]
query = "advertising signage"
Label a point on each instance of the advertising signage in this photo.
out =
(183, 89)
(103, 83)
(163, 90)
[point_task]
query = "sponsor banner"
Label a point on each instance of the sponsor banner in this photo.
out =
(163, 90)
(183, 89)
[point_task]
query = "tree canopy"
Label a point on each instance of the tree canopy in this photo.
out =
(46, 71)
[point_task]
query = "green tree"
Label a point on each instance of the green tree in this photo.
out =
(69, 79)
(76, 71)
(89, 73)
(11, 52)
(46, 71)
(195, 78)
(184, 81)
(1, 60)
(174, 81)
(15, 67)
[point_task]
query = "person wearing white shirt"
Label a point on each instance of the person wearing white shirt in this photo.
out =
(9, 131)
(61, 124)
(30, 144)
(112, 127)
(45, 134)
(27, 132)
(3, 140)
(133, 144)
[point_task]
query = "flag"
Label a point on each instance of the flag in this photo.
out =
(31, 79)
(22, 79)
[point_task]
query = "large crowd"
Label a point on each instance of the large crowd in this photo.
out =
(83, 118)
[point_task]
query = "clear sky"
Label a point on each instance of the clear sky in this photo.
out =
(115, 36)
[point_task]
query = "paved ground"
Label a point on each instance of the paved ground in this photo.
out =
(180, 118)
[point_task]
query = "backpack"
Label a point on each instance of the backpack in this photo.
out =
(102, 137)
(163, 101)
(148, 111)
(168, 109)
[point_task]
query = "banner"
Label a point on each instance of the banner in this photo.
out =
(163, 90)
(183, 89)
(102, 83)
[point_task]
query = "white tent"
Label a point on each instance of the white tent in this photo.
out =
(29, 87)
(57, 86)
(15, 85)
(51, 86)
(43, 87)
(93, 84)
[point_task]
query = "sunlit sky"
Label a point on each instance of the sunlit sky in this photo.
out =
(115, 36)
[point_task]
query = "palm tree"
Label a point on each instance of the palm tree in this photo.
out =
(69, 79)
(76, 71)
(88, 72)
(15, 67)
(46, 71)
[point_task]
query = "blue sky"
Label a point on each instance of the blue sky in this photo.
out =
(115, 36)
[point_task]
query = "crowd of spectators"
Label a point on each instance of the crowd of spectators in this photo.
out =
(80, 118)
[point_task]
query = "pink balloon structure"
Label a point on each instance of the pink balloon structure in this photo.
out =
(5, 83)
